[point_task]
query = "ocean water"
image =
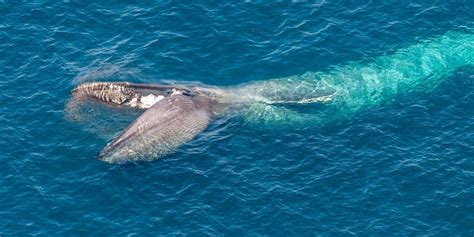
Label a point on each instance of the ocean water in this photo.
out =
(398, 166)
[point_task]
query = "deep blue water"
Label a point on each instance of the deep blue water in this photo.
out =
(402, 168)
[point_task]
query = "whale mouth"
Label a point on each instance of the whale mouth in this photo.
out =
(172, 116)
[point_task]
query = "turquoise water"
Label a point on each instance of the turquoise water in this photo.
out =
(390, 154)
(358, 85)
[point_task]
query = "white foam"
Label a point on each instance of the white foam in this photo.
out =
(150, 100)
(133, 102)
(177, 92)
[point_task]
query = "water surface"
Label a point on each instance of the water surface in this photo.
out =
(403, 167)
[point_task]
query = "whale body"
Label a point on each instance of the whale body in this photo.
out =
(174, 114)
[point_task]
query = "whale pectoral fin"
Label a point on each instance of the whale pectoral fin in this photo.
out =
(160, 130)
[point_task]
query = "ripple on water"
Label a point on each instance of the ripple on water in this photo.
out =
(403, 167)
